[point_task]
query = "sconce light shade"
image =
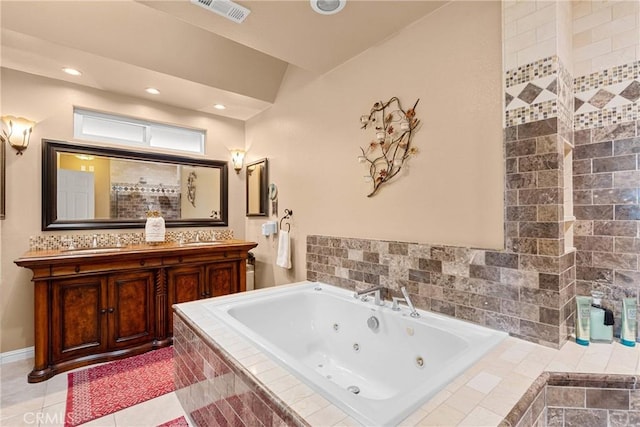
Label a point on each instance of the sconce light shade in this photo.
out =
(237, 158)
(17, 131)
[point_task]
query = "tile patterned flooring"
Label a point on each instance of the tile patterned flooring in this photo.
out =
(481, 396)
(43, 404)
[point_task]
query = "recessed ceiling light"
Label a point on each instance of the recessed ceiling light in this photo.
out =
(152, 91)
(219, 107)
(327, 7)
(72, 71)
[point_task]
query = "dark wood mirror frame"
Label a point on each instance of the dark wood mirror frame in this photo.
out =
(51, 148)
(263, 187)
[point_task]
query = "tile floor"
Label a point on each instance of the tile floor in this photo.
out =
(43, 404)
(481, 396)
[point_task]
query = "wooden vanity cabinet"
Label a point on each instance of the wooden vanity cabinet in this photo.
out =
(94, 313)
(98, 307)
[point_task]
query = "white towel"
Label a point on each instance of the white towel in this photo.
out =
(284, 250)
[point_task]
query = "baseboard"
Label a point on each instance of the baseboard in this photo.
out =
(15, 355)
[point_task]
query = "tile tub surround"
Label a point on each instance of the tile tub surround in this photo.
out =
(215, 391)
(606, 181)
(45, 242)
(482, 396)
(519, 293)
(559, 399)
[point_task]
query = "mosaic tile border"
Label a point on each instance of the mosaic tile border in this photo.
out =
(535, 70)
(532, 113)
(607, 77)
(607, 117)
(600, 99)
(139, 188)
(538, 91)
(45, 242)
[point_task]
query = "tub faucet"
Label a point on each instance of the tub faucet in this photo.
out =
(396, 307)
(376, 290)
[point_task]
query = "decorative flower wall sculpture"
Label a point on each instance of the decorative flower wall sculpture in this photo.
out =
(387, 153)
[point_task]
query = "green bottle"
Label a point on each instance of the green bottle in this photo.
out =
(601, 322)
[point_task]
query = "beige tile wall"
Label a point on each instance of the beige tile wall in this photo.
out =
(605, 34)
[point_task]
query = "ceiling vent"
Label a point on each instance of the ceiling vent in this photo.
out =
(226, 8)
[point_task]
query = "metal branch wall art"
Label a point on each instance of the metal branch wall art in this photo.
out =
(394, 129)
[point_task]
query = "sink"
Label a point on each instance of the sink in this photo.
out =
(93, 250)
(202, 243)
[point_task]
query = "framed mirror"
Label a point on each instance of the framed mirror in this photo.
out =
(89, 187)
(257, 187)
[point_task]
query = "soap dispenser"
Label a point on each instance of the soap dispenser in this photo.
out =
(601, 320)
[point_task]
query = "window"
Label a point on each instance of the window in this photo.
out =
(93, 126)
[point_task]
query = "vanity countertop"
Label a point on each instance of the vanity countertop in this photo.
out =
(166, 248)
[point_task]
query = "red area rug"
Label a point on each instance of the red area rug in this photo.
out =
(105, 389)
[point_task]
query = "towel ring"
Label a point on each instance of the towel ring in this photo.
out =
(287, 215)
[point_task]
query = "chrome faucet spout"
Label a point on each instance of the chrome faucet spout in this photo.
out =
(94, 241)
(414, 312)
(376, 291)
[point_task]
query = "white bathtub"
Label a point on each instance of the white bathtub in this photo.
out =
(319, 333)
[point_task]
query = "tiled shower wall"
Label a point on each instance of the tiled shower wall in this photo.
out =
(607, 233)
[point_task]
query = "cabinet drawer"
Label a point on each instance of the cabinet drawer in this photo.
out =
(83, 266)
(202, 258)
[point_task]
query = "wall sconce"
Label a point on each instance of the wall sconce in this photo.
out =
(17, 131)
(237, 158)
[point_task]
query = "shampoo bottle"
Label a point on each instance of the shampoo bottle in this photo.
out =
(583, 317)
(601, 320)
(628, 331)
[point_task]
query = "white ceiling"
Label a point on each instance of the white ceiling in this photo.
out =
(195, 57)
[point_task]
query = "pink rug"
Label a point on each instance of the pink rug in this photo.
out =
(105, 389)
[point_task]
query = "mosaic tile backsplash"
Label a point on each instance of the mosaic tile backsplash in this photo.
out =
(45, 242)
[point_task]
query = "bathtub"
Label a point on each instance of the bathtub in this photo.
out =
(321, 334)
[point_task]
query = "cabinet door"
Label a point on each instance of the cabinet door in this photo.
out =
(78, 317)
(131, 309)
(185, 284)
(222, 279)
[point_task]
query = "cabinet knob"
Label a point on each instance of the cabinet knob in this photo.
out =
(179, 259)
(103, 311)
(77, 269)
(203, 294)
(225, 254)
(111, 310)
(141, 262)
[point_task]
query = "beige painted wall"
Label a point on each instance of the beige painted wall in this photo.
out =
(452, 191)
(50, 103)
